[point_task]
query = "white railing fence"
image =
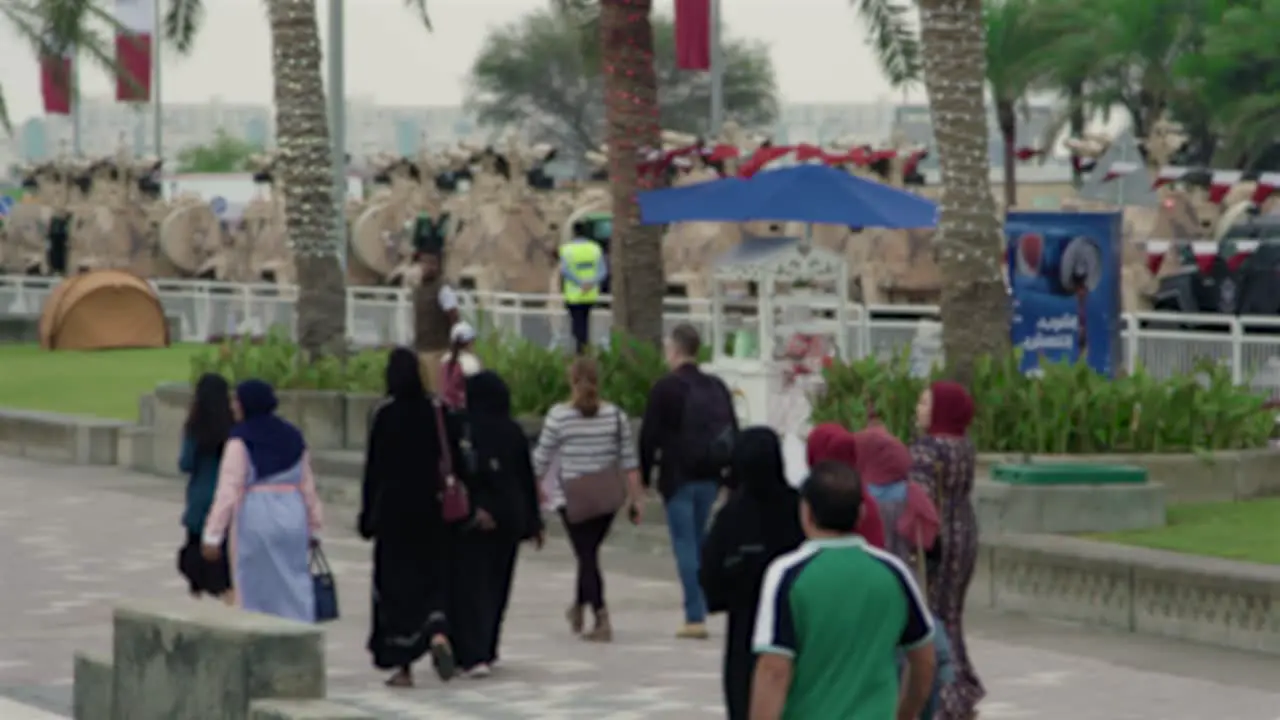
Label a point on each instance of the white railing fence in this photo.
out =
(1165, 344)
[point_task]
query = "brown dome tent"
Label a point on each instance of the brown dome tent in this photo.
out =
(103, 310)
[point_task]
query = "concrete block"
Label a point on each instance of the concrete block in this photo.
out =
(358, 411)
(321, 416)
(1068, 580)
(59, 438)
(94, 678)
(1068, 509)
(205, 660)
(1222, 476)
(304, 710)
(338, 475)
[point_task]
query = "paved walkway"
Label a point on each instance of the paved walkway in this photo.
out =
(74, 540)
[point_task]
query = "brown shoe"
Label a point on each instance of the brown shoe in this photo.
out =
(575, 617)
(603, 631)
(693, 631)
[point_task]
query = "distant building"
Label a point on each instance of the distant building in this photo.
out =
(373, 128)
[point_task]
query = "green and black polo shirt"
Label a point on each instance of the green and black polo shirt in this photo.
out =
(841, 609)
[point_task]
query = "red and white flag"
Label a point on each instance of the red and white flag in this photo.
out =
(1119, 170)
(137, 20)
(56, 82)
(1221, 182)
(1169, 175)
(1267, 184)
(693, 34)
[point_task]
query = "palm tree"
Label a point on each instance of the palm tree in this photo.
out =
(620, 32)
(1016, 64)
(305, 164)
(969, 239)
(632, 127)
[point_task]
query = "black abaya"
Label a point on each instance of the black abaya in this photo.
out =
(759, 522)
(503, 486)
(400, 512)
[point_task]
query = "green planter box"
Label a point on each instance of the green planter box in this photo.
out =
(1069, 474)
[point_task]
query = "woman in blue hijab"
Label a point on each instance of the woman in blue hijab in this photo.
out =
(267, 497)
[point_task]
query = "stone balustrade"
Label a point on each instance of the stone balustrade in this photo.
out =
(1151, 592)
(206, 661)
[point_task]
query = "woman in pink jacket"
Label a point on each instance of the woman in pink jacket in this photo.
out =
(267, 508)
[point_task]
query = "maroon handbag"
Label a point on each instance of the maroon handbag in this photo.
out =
(455, 506)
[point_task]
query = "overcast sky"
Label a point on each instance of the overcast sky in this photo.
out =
(818, 52)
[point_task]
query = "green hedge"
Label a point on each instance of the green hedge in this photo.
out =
(537, 375)
(1069, 409)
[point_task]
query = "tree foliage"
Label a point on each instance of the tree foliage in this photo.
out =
(224, 154)
(539, 69)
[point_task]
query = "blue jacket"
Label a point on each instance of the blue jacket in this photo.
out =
(202, 481)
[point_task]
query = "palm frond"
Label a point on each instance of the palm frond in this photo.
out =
(5, 122)
(55, 27)
(585, 14)
(419, 8)
(182, 21)
(891, 33)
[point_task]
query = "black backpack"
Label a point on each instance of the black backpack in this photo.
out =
(707, 429)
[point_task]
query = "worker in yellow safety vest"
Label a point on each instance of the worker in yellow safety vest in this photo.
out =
(582, 269)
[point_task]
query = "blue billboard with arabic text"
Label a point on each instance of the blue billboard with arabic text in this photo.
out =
(1064, 275)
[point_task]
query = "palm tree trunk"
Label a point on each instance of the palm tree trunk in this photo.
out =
(1075, 96)
(631, 117)
(975, 302)
(1007, 118)
(305, 164)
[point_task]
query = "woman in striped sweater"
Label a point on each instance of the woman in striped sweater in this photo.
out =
(583, 436)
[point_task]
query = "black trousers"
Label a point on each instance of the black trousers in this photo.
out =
(580, 325)
(482, 567)
(504, 571)
(586, 538)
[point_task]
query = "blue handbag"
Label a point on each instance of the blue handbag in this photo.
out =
(326, 587)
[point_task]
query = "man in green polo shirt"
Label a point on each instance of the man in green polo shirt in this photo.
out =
(834, 615)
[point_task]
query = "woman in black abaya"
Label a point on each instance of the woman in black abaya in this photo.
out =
(759, 522)
(504, 496)
(400, 512)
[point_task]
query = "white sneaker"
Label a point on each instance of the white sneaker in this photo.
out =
(479, 671)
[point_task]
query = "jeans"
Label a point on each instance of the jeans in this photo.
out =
(688, 512)
(580, 325)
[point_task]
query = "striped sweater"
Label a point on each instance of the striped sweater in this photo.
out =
(578, 445)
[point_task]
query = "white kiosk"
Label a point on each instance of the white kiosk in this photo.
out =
(770, 348)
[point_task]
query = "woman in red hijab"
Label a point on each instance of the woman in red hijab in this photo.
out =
(830, 441)
(909, 516)
(943, 461)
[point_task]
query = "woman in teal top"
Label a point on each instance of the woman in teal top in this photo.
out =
(209, 422)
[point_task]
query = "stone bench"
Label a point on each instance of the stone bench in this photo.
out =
(195, 660)
(60, 438)
(1067, 509)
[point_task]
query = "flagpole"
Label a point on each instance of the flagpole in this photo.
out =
(717, 72)
(337, 123)
(157, 104)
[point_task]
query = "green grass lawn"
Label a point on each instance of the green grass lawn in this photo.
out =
(104, 384)
(1235, 530)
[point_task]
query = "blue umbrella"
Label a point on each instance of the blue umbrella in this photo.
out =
(802, 193)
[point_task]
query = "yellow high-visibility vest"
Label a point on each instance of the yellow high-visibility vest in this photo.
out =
(583, 258)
